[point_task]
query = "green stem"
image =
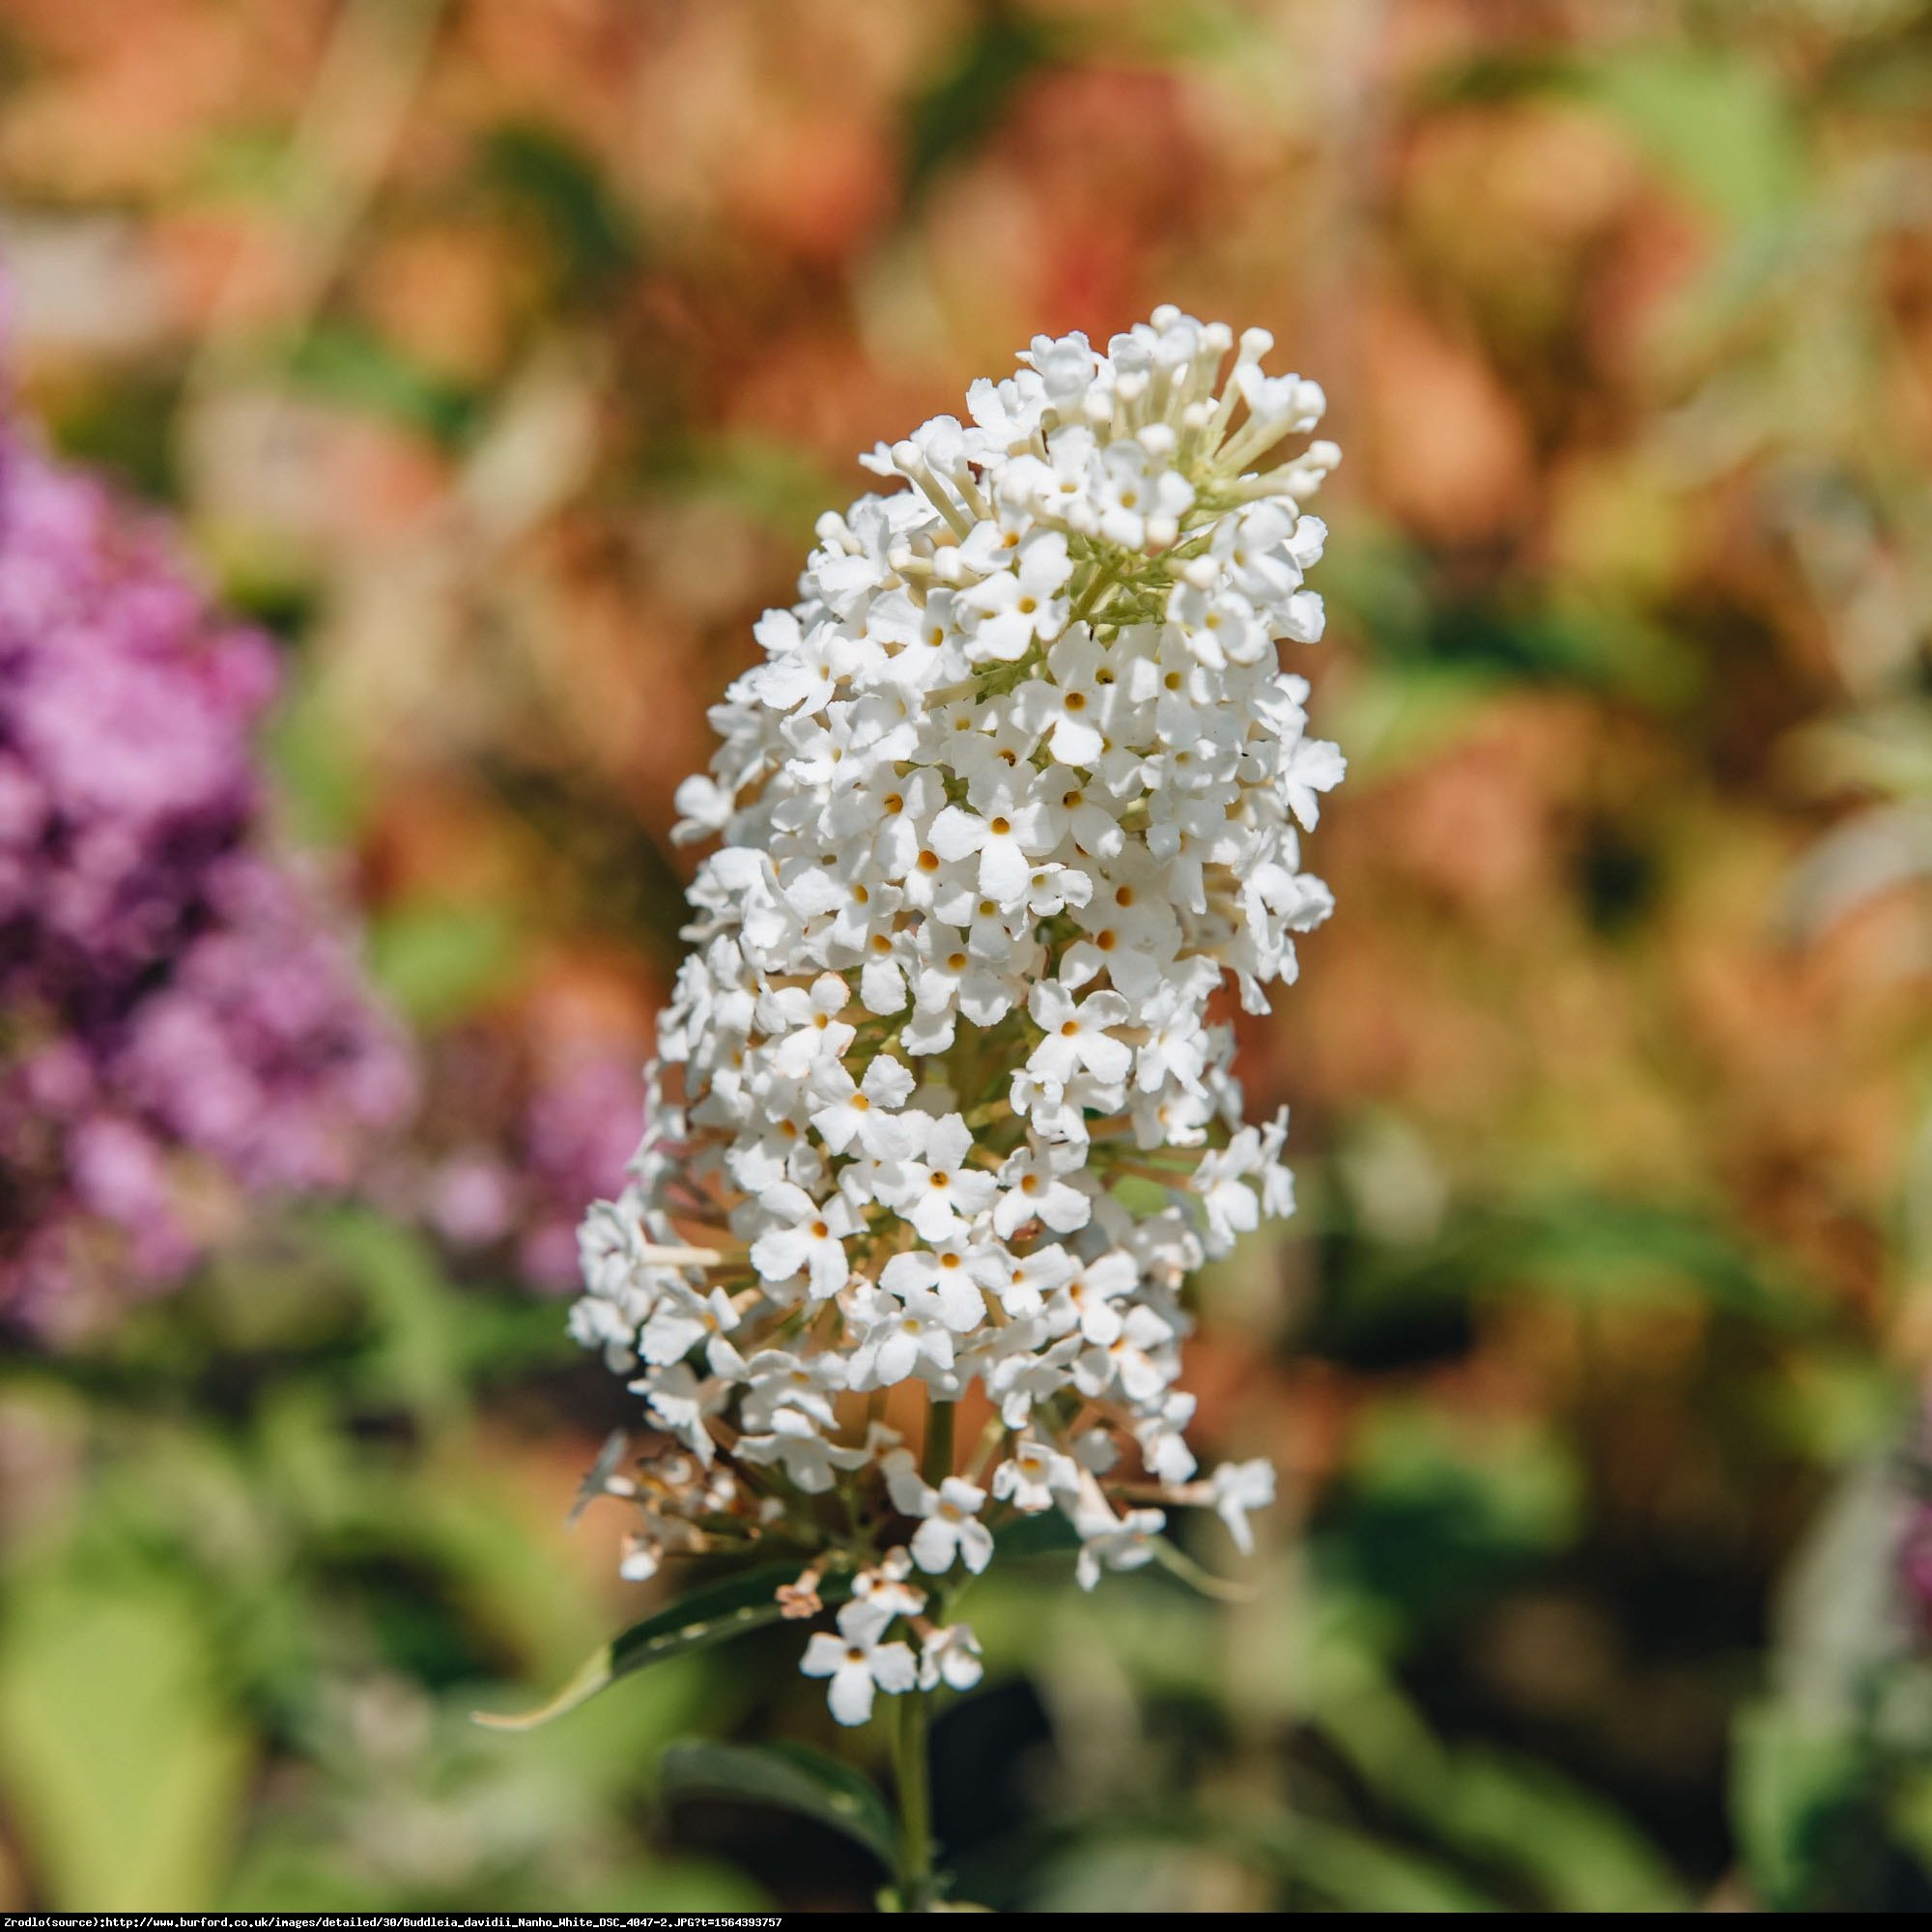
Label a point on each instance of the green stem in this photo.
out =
(1102, 582)
(915, 1793)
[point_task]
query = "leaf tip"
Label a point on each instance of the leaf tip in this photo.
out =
(580, 1689)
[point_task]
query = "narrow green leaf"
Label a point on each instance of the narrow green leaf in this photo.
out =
(594, 1675)
(1577, 1849)
(1359, 1872)
(967, 102)
(358, 369)
(708, 1615)
(729, 1609)
(790, 1775)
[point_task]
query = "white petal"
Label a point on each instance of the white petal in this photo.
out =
(894, 1668)
(851, 1694)
(823, 1655)
(1003, 871)
(956, 834)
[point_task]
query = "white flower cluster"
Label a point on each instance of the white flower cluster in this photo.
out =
(1015, 787)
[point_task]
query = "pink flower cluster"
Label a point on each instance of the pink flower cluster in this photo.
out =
(180, 1024)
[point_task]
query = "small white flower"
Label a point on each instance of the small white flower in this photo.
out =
(1036, 1476)
(1035, 1190)
(1073, 712)
(807, 1458)
(886, 1584)
(1094, 1297)
(640, 1559)
(950, 1532)
(678, 1402)
(950, 1657)
(1023, 1377)
(899, 1338)
(808, 1023)
(858, 1662)
(803, 1236)
(681, 1320)
(864, 1110)
(1014, 607)
(1238, 1488)
(776, 1378)
(950, 1284)
(1076, 1036)
(1031, 1278)
(1115, 1543)
(1313, 766)
(936, 1191)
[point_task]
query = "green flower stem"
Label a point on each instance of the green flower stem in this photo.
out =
(915, 1793)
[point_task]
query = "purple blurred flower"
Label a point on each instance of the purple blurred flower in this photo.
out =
(174, 1007)
(567, 1141)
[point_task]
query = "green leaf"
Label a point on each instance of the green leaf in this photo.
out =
(1361, 1873)
(1439, 1508)
(1139, 1195)
(1722, 125)
(705, 1616)
(357, 369)
(1795, 1785)
(1513, 1815)
(1606, 1250)
(1580, 1851)
(966, 104)
(1720, 121)
(439, 961)
(318, 783)
(1044, 1533)
(123, 1770)
(571, 213)
(410, 1302)
(793, 1776)
(760, 480)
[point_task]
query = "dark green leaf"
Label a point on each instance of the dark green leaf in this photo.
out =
(1045, 1534)
(1582, 1854)
(790, 1775)
(702, 1617)
(545, 176)
(1720, 123)
(968, 103)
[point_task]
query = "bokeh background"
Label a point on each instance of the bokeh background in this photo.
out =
(496, 357)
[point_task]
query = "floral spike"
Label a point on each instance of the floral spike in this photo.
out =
(1015, 787)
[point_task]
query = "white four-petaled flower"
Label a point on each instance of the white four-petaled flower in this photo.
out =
(858, 1662)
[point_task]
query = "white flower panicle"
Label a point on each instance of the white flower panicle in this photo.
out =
(1016, 790)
